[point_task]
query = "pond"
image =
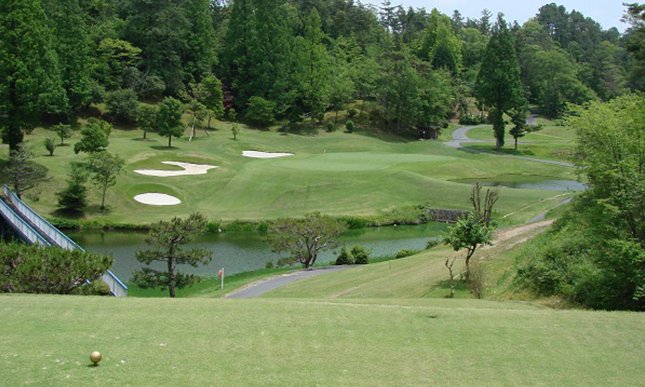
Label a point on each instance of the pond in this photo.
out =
(532, 182)
(240, 252)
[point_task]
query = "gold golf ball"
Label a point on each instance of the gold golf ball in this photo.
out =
(95, 357)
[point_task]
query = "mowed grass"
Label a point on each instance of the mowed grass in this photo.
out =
(46, 340)
(551, 142)
(335, 173)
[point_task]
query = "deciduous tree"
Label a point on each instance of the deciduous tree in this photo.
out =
(169, 119)
(104, 168)
(472, 230)
(94, 136)
(304, 238)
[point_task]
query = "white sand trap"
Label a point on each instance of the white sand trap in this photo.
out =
(264, 155)
(189, 169)
(157, 199)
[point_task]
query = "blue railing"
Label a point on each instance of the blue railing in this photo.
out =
(22, 227)
(117, 287)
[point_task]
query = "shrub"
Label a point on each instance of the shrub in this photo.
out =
(470, 119)
(36, 269)
(354, 223)
(330, 127)
(269, 265)
(345, 257)
(351, 113)
(260, 112)
(432, 243)
(122, 105)
(361, 255)
(349, 125)
(285, 261)
(50, 145)
(405, 253)
(476, 279)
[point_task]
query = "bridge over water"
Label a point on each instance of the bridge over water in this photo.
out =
(33, 229)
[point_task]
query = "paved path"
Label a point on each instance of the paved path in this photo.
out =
(258, 288)
(460, 136)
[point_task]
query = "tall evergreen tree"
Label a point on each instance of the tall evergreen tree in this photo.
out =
(237, 56)
(498, 84)
(161, 29)
(30, 83)
(200, 57)
(72, 43)
(271, 51)
(315, 66)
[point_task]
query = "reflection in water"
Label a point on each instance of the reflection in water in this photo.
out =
(546, 185)
(240, 252)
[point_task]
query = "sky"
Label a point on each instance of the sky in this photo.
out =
(605, 12)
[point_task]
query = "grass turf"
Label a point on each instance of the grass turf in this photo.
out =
(335, 173)
(46, 340)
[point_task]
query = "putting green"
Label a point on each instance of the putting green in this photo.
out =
(358, 161)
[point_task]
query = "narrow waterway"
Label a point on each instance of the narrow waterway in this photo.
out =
(240, 252)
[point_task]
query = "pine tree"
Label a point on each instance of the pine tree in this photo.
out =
(315, 67)
(498, 84)
(237, 56)
(30, 83)
(200, 56)
(72, 44)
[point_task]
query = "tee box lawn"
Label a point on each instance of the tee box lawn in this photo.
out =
(46, 340)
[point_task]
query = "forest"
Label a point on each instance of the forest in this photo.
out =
(289, 62)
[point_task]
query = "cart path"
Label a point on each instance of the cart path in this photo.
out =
(460, 136)
(258, 288)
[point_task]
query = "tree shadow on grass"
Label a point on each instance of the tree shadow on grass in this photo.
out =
(442, 289)
(163, 147)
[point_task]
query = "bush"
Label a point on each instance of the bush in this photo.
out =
(345, 257)
(470, 119)
(476, 279)
(269, 265)
(432, 243)
(354, 223)
(260, 112)
(94, 288)
(361, 255)
(405, 253)
(330, 127)
(286, 261)
(122, 105)
(349, 126)
(351, 113)
(50, 145)
(36, 269)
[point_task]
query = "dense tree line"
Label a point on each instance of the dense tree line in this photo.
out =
(595, 254)
(295, 60)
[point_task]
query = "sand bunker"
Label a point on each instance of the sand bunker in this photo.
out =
(264, 155)
(189, 169)
(157, 199)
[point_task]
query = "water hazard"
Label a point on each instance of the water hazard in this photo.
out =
(240, 252)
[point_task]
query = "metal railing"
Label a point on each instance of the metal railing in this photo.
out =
(22, 227)
(41, 224)
(117, 287)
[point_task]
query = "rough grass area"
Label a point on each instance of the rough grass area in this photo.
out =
(47, 340)
(336, 173)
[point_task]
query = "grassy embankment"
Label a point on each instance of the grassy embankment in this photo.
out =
(46, 340)
(552, 142)
(336, 173)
